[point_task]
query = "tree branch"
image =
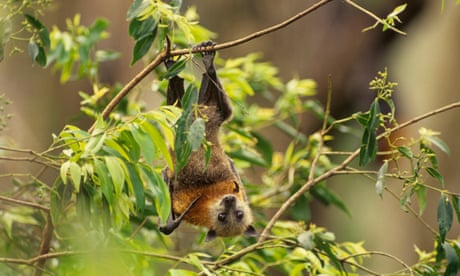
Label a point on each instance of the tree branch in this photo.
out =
(25, 203)
(167, 53)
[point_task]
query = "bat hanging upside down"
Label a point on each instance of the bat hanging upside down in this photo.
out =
(210, 195)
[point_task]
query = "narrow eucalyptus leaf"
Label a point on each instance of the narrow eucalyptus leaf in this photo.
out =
(452, 259)
(456, 205)
(33, 21)
(435, 174)
(380, 184)
(445, 217)
(405, 151)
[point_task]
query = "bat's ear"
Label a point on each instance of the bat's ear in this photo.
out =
(250, 231)
(211, 235)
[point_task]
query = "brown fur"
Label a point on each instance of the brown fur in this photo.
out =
(210, 195)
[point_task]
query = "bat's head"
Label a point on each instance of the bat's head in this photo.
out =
(230, 216)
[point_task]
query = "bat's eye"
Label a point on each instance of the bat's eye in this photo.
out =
(221, 217)
(239, 215)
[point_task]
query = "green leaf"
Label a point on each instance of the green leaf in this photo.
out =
(362, 118)
(41, 57)
(176, 68)
(452, 259)
(435, 174)
(160, 190)
(159, 142)
(135, 181)
(405, 151)
(63, 171)
(104, 182)
(141, 47)
(116, 173)
(248, 156)
(445, 217)
(420, 192)
(83, 207)
(456, 205)
(380, 184)
(145, 143)
(326, 196)
(75, 175)
(264, 147)
(34, 21)
(140, 28)
(368, 149)
(196, 133)
(374, 119)
(44, 37)
(136, 8)
(94, 144)
(438, 143)
(306, 240)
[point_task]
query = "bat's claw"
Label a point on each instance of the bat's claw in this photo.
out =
(169, 62)
(210, 53)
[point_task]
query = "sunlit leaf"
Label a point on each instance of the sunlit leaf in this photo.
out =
(145, 143)
(75, 175)
(95, 143)
(63, 171)
(116, 173)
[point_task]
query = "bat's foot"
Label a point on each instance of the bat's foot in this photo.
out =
(169, 62)
(208, 56)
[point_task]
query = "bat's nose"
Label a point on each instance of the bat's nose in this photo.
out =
(229, 201)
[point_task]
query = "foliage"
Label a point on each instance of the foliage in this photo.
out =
(100, 215)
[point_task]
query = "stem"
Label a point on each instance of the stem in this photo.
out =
(379, 20)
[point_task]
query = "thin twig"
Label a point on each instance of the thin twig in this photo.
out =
(24, 203)
(47, 236)
(379, 20)
(396, 259)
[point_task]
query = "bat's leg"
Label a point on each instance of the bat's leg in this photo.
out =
(172, 222)
(211, 91)
(175, 87)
